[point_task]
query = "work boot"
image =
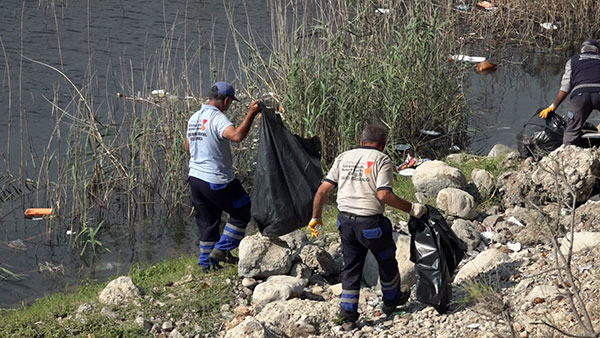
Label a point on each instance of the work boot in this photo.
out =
(224, 256)
(348, 326)
(213, 267)
(390, 306)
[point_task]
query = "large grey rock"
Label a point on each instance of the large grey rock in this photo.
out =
(565, 170)
(295, 241)
(500, 150)
(261, 257)
(250, 327)
(120, 291)
(483, 181)
(481, 263)
(432, 176)
(466, 231)
(318, 259)
(301, 270)
(297, 317)
(405, 266)
(581, 241)
(277, 288)
(456, 202)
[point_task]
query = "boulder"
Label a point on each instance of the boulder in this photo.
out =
(567, 170)
(319, 260)
(120, 291)
(295, 241)
(581, 241)
(432, 176)
(466, 231)
(297, 317)
(277, 288)
(456, 202)
(261, 257)
(587, 217)
(483, 181)
(408, 275)
(250, 327)
(500, 150)
(481, 263)
(301, 270)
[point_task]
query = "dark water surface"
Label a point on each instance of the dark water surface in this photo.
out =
(76, 35)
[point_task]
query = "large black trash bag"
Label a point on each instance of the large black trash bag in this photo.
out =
(540, 136)
(436, 251)
(286, 178)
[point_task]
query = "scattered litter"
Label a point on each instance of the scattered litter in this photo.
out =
(35, 213)
(373, 302)
(407, 172)
(467, 58)
(47, 266)
(513, 220)
(71, 233)
(514, 246)
(159, 92)
(548, 26)
(584, 268)
(473, 326)
(430, 132)
(565, 212)
(488, 6)
(463, 7)
(488, 235)
(17, 244)
(383, 11)
(402, 147)
(579, 226)
(454, 148)
(485, 67)
(409, 162)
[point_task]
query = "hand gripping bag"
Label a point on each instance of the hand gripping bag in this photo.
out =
(436, 251)
(286, 178)
(540, 136)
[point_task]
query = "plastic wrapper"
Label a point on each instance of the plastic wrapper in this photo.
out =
(436, 251)
(286, 178)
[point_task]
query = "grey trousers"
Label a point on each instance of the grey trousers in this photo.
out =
(581, 107)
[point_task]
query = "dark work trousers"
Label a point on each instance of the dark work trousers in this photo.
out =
(360, 234)
(210, 200)
(581, 107)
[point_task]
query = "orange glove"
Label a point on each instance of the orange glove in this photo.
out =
(544, 113)
(315, 225)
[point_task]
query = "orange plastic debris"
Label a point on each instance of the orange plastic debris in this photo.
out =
(485, 66)
(38, 212)
(485, 5)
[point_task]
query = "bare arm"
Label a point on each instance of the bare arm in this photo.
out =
(560, 97)
(239, 133)
(324, 190)
(388, 197)
(187, 145)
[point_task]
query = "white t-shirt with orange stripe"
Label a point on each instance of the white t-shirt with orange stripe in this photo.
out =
(359, 173)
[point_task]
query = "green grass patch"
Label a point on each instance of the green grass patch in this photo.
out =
(468, 162)
(175, 289)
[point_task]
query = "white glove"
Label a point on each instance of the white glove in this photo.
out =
(417, 210)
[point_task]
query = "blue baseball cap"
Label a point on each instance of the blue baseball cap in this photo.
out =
(225, 89)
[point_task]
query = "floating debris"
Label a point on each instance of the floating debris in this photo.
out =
(17, 244)
(548, 26)
(463, 7)
(485, 66)
(383, 11)
(460, 57)
(430, 132)
(488, 6)
(37, 213)
(402, 147)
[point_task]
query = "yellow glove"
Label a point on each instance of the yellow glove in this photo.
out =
(544, 113)
(315, 226)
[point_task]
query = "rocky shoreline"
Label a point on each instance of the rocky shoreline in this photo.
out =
(511, 283)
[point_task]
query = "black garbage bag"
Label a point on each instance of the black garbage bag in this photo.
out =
(286, 178)
(540, 136)
(436, 251)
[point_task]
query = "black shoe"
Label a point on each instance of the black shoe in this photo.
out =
(212, 267)
(224, 256)
(389, 307)
(348, 326)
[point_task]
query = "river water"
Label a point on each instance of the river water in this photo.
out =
(72, 35)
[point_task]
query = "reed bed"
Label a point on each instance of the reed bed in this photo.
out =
(335, 65)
